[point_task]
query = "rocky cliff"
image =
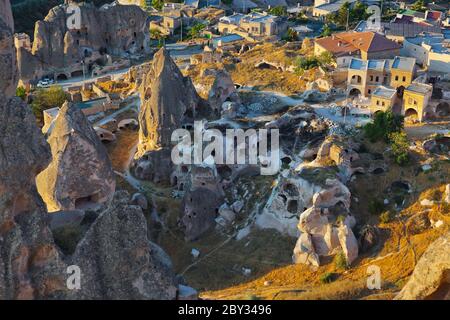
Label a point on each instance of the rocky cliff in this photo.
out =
(8, 66)
(80, 174)
(65, 38)
(30, 264)
(169, 101)
(431, 276)
(117, 259)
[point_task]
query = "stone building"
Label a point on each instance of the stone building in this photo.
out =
(365, 45)
(383, 99)
(416, 98)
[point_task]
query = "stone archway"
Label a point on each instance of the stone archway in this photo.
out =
(354, 93)
(411, 113)
(61, 77)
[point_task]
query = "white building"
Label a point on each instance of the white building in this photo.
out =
(430, 50)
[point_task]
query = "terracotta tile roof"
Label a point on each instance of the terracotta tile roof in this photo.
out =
(347, 42)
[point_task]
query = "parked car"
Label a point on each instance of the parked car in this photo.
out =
(45, 83)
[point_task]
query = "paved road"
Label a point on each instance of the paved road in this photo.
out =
(78, 81)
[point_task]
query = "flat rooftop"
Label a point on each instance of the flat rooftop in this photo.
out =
(419, 88)
(404, 63)
(359, 64)
(435, 41)
(335, 6)
(384, 92)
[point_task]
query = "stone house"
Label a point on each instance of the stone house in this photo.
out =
(365, 45)
(416, 98)
(254, 24)
(403, 71)
(365, 76)
(384, 99)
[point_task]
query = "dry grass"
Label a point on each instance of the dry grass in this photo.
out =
(117, 86)
(396, 256)
(120, 150)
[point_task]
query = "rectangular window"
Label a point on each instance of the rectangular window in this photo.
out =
(404, 78)
(396, 78)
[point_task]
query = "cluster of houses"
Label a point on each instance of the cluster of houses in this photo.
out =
(393, 65)
(389, 65)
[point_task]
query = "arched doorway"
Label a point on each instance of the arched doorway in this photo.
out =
(354, 93)
(61, 77)
(400, 91)
(411, 114)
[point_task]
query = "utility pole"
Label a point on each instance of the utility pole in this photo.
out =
(181, 32)
(348, 15)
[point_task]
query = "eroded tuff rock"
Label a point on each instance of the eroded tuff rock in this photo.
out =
(169, 101)
(8, 79)
(118, 261)
(113, 29)
(80, 174)
(431, 276)
(30, 264)
(200, 208)
(201, 201)
(222, 90)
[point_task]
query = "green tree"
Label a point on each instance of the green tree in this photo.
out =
(21, 93)
(343, 14)
(419, 5)
(400, 147)
(383, 125)
(196, 30)
(291, 35)
(325, 58)
(47, 98)
(326, 31)
(157, 4)
(278, 11)
(156, 34)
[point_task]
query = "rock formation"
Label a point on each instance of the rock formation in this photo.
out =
(222, 90)
(117, 259)
(313, 196)
(201, 201)
(30, 264)
(62, 40)
(431, 276)
(80, 174)
(200, 208)
(8, 79)
(169, 101)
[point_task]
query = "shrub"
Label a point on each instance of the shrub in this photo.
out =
(327, 277)
(47, 98)
(384, 124)
(340, 261)
(21, 93)
(400, 147)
